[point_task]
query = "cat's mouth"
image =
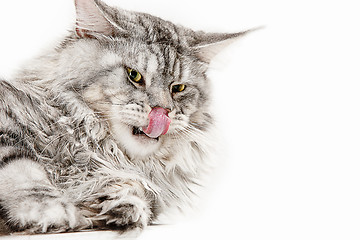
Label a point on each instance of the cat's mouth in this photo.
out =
(136, 131)
(158, 125)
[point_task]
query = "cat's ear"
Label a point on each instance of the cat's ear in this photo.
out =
(91, 18)
(208, 45)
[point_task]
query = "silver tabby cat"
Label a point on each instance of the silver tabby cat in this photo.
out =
(110, 128)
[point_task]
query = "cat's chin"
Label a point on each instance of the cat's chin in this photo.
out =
(135, 142)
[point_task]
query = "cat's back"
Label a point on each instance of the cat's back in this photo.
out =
(25, 115)
(16, 102)
(11, 94)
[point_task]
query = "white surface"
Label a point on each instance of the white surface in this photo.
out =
(288, 98)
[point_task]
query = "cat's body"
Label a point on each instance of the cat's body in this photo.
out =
(73, 152)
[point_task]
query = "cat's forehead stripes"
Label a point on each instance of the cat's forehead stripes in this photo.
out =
(166, 57)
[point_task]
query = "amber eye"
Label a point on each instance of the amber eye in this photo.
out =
(134, 75)
(178, 88)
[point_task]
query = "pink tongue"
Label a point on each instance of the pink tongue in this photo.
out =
(159, 123)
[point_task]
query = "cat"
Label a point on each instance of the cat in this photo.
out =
(109, 129)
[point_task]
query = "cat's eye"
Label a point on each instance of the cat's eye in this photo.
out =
(178, 88)
(134, 75)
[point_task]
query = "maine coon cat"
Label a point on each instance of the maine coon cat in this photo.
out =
(110, 128)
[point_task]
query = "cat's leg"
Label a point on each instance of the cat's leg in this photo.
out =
(29, 202)
(124, 205)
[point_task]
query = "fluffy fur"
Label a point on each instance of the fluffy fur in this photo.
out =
(68, 155)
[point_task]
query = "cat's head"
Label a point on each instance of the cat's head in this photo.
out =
(141, 74)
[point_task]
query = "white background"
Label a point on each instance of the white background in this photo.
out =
(287, 99)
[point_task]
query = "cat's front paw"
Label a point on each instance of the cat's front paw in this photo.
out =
(42, 214)
(124, 213)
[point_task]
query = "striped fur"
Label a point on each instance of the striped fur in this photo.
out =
(68, 157)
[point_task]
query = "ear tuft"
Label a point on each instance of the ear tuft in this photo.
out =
(208, 45)
(91, 19)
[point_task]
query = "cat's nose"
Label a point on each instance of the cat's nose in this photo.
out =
(168, 109)
(161, 99)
